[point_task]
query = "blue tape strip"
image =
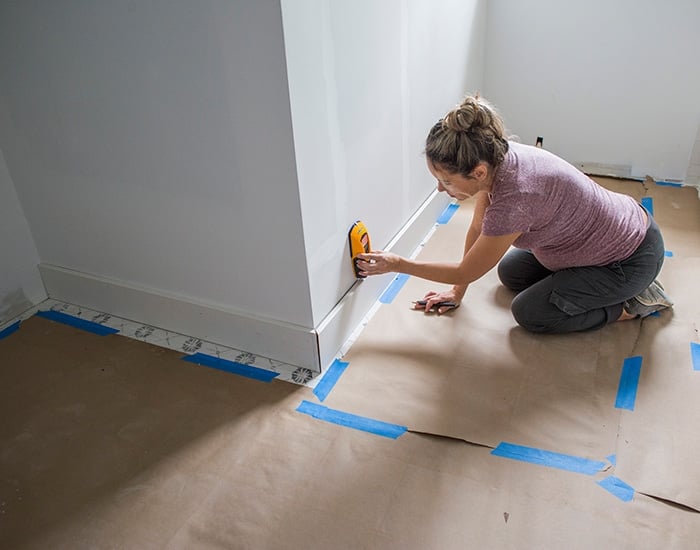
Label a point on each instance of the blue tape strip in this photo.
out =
(669, 183)
(617, 487)
(447, 213)
(629, 380)
(328, 381)
(648, 203)
(668, 254)
(393, 289)
(377, 427)
(695, 355)
(9, 330)
(77, 322)
(231, 366)
(612, 459)
(570, 463)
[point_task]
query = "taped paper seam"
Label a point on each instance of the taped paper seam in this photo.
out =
(664, 205)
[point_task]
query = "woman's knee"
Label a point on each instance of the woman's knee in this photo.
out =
(504, 273)
(508, 274)
(530, 316)
(519, 269)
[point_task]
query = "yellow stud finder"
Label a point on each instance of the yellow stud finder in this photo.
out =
(359, 243)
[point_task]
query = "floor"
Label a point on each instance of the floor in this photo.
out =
(127, 438)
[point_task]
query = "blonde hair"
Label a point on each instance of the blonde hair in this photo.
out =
(471, 133)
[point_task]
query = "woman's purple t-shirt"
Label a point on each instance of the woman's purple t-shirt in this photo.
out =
(566, 219)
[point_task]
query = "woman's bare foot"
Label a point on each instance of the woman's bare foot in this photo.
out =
(624, 316)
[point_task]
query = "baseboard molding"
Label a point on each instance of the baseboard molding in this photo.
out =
(346, 317)
(295, 345)
(287, 343)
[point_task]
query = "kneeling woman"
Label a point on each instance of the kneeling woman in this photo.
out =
(583, 256)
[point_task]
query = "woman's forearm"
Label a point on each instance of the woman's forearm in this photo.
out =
(482, 256)
(473, 233)
(440, 272)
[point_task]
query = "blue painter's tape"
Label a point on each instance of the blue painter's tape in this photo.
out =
(648, 203)
(617, 487)
(695, 355)
(570, 463)
(328, 381)
(77, 322)
(447, 213)
(377, 427)
(4, 333)
(629, 380)
(231, 366)
(612, 459)
(393, 289)
(668, 254)
(669, 183)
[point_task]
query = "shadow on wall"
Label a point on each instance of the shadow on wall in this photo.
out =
(13, 304)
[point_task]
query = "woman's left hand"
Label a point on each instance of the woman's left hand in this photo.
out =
(378, 262)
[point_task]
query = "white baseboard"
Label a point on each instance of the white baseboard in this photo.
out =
(601, 169)
(279, 341)
(292, 344)
(347, 315)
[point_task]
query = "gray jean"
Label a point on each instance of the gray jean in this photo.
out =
(578, 298)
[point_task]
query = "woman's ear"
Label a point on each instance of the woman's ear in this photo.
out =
(481, 172)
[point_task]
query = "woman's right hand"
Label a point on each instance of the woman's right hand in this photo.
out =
(431, 299)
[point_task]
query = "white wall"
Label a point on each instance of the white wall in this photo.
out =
(152, 144)
(608, 82)
(20, 284)
(367, 81)
(152, 150)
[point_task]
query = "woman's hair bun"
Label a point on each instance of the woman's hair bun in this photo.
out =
(472, 114)
(470, 133)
